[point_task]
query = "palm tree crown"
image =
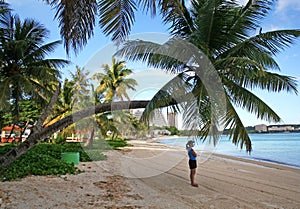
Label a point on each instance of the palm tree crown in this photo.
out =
(24, 71)
(114, 82)
(220, 30)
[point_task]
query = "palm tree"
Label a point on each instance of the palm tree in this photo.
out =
(77, 18)
(25, 73)
(81, 92)
(64, 104)
(74, 96)
(114, 82)
(222, 31)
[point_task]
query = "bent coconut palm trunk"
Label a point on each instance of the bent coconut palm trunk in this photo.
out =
(39, 133)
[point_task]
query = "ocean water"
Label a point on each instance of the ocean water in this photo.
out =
(281, 148)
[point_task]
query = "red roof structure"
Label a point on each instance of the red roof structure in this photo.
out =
(9, 128)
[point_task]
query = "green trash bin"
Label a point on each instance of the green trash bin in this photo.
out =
(70, 157)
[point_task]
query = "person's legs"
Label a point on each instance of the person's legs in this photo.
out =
(192, 177)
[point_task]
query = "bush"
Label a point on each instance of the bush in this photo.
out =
(40, 160)
(45, 159)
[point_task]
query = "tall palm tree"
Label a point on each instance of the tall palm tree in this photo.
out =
(222, 31)
(64, 104)
(114, 82)
(81, 92)
(77, 18)
(82, 99)
(25, 72)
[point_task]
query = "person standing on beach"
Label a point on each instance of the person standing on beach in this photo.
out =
(192, 161)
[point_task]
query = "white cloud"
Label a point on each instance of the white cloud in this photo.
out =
(242, 2)
(281, 5)
(288, 4)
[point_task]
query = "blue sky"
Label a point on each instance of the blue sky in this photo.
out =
(286, 15)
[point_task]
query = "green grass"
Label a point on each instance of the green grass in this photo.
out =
(45, 159)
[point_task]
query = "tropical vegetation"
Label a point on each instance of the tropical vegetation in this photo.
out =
(29, 113)
(25, 72)
(45, 159)
(112, 84)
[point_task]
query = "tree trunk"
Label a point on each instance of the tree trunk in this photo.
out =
(40, 133)
(91, 139)
(11, 132)
(23, 130)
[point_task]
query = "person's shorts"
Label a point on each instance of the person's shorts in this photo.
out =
(193, 164)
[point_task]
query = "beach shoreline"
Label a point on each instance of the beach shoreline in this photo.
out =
(149, 174)
(242, 158)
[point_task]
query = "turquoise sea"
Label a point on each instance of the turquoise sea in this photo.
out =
(282, 148)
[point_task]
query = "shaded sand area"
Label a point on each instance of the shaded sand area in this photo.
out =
(153, 175)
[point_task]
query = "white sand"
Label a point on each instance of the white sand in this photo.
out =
(152, 175)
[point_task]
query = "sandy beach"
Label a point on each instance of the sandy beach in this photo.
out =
(153, 175)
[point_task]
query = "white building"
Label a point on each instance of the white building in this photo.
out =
(261, 128)
(281, 128)
(137, 113)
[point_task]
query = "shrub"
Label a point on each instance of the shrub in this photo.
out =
(45, 159)
(40, 160)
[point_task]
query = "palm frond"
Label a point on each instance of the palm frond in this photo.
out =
(237, 131)
(245, 99)
(205, 109)
(4, 7)
(40, 51)
(148, 5)
(76, 20)
(248, 73)
(172, 94)
(275, 41)
(57, 63)
(248, 17)
(211, 20)
(117, 17)
(137, 50)
(263, 46)
(173, 55)
(180, 19)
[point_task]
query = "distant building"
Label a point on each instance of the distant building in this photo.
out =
(280, 128)
(261, 128)
(157, 119)
(137, 113)
(172, 118)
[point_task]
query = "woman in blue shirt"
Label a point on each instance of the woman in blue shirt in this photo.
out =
(192, 161)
